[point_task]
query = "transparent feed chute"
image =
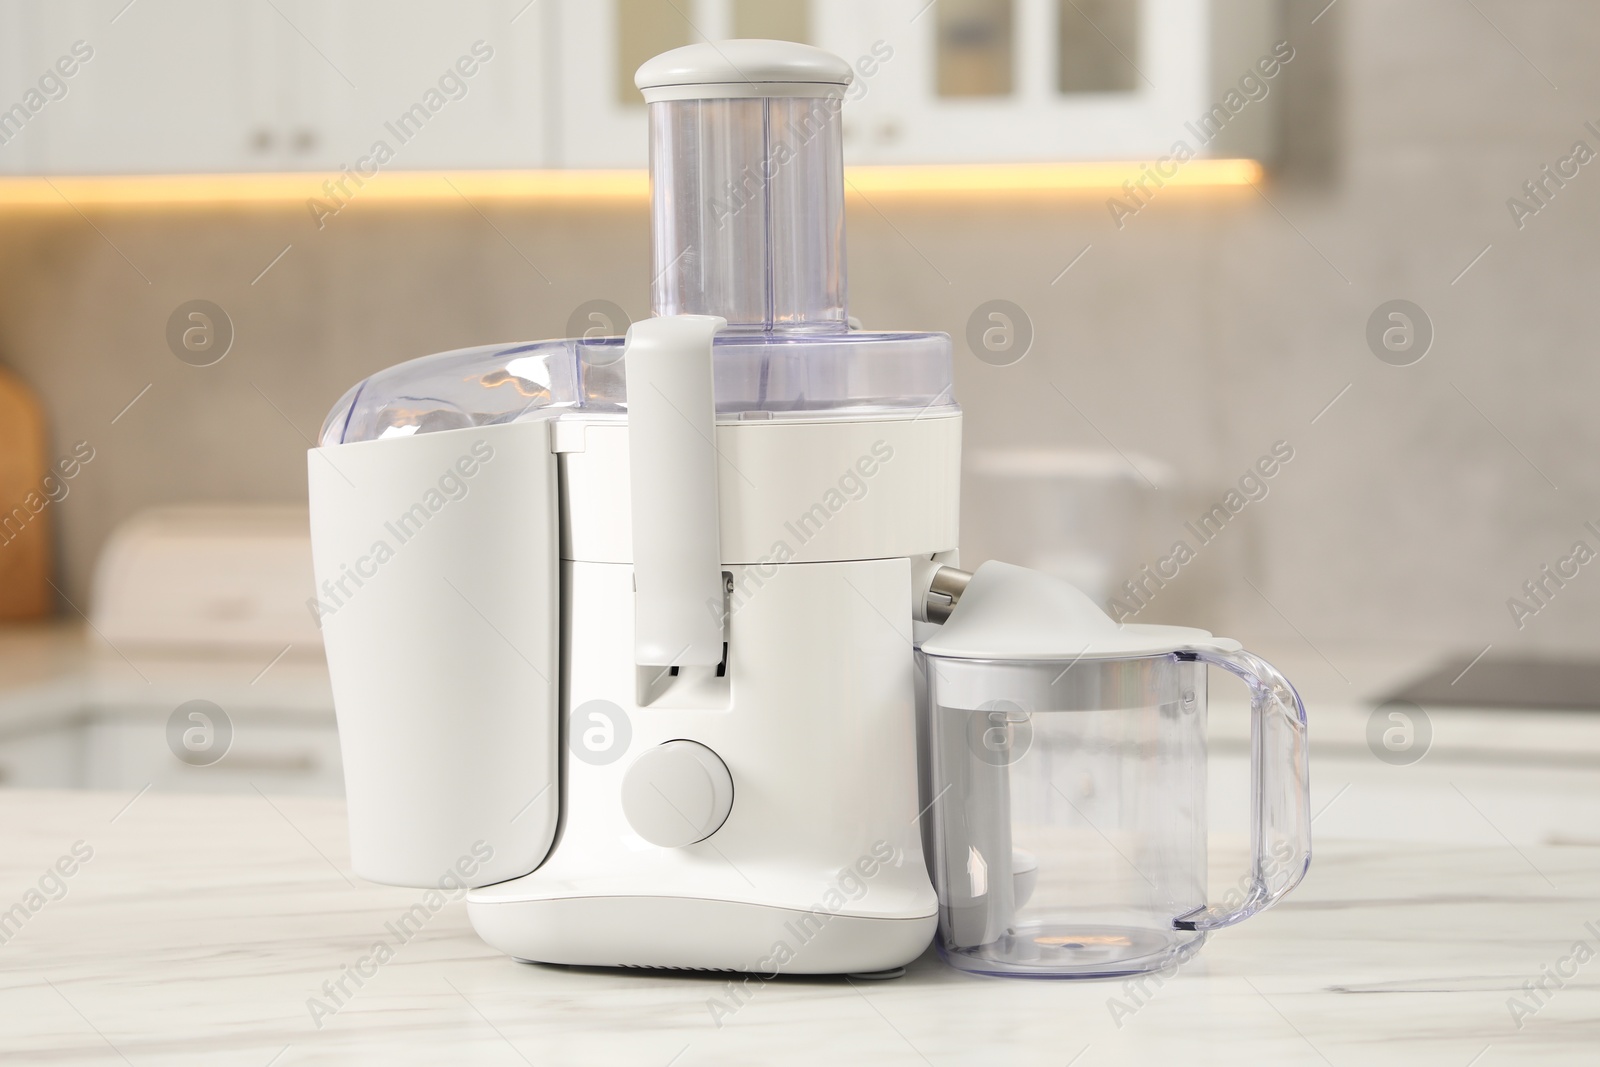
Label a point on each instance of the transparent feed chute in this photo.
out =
(747, 213)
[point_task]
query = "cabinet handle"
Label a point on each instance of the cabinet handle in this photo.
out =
(305, 141)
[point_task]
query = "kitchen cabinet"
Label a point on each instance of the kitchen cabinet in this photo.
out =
(463, 85)
(121, 747)
(276, 750)
(179, 86)
(51, 758)
(196, 86)
(12, 160)
(983, 81)
(955, 81)
(369, 85)
(74, 714)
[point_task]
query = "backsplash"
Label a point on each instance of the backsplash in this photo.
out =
(1410, 501)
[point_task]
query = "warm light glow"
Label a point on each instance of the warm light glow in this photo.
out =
(945, 178)
(533, 186)
(391, 186)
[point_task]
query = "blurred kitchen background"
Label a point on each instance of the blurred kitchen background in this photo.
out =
(1123, 368)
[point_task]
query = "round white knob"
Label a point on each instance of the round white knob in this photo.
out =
(676, 794)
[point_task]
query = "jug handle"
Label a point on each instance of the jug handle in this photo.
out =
(1280, 817)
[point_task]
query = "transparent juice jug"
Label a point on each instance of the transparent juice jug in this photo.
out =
(1065, 763)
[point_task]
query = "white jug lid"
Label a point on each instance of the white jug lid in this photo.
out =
(1013, 613)
(747, 68)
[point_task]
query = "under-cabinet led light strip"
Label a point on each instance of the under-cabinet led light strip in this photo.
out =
(308, 188)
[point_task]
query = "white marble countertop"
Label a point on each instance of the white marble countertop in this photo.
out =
(200, 927)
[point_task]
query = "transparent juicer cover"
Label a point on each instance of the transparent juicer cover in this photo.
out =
(747, 212)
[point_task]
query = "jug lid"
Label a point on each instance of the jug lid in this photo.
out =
(743, 68)
(1013, 613)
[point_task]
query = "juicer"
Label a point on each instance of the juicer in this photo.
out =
(622, 631)
(636, 615)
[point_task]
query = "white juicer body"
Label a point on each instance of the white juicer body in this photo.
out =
(621, 638)
(818, 867)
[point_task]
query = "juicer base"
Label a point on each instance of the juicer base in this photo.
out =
(688, 933)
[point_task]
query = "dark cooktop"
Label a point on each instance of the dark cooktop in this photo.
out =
(1508, 681)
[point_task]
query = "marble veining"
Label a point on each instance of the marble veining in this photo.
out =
(217, 930)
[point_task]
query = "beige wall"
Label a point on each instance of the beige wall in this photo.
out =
(1209, 327)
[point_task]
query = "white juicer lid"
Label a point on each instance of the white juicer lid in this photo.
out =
(1013, 613)
(754, 68)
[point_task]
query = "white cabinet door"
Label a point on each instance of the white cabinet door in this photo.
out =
(873, 38)
(426, 86)
(47, 70)
(201, 86)
(369, 85)
(14, 82)
(984, 82)
(168, 86)
(602, 119)
(954, 81)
